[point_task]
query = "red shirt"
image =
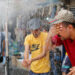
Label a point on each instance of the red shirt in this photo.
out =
(69, 46)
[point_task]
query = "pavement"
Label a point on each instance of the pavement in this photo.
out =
(13, 70)
(2, 69)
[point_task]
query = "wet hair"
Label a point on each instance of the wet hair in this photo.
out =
(46, 27)
(69, 23)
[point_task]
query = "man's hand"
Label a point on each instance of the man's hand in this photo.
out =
(26, 63)
(52, 31)
(72, 71)
(29, 62)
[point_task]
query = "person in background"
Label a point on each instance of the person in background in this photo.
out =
(2, 47)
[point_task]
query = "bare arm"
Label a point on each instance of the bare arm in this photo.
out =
(48, 43)
(26, 57)
(26, 61)
(43, 54)
(3, 47)
(26, 53)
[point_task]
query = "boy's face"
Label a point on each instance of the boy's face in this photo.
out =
(63, 31)
(36, 32)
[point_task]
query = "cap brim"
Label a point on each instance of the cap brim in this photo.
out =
(55, 21)
(49, 21)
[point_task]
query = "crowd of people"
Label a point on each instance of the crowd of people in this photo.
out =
(40, 42)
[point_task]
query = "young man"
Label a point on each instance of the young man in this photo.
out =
(35, 42)
(64, 29)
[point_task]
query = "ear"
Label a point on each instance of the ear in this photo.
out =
(70, 27)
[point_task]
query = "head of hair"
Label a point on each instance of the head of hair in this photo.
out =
(46, 27)
(68, 23)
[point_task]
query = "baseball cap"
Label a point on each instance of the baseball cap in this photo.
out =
(63, 15)
(34, 23)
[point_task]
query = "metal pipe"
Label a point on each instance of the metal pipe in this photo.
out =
(6, 38)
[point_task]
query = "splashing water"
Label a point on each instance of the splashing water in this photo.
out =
(16, 8)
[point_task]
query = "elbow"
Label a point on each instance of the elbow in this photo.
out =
(44, 54)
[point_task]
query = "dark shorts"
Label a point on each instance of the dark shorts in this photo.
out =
(32, 73)
(66, 65)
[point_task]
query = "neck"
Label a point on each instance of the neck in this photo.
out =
(36, 36)
(73, 35)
